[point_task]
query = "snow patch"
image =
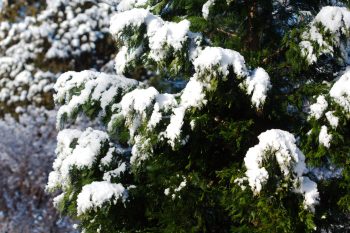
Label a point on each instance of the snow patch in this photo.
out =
(324, 138)
(336, 21)
(340, 91)
(317, 109)
(258, 84)
(290, 159)
(205, 8)
(80, 156)
(98, 193)
(333, 120)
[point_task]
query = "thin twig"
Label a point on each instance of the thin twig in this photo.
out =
(225, 32)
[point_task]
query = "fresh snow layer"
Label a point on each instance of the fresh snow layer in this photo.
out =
(307, 51)
(124, 57)
(63, 33)
(335, 20)
(317, 109)
(333, 120)
(324, 138)
(223, 58)
(282, 145)
(107, 176)
(327, 112)
(125, 5)
(205, 8)
(95, 86)
(340, 91)
(140, 105)
(88, 147)
(290, 159)
(97, 193)
(134, 104)
(308, 189)
(160, 33)
(141, 150)
(258, 84)
(208, 63)
(138, 100)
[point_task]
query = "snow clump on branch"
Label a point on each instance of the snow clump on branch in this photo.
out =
(280, 146)
(328, 34)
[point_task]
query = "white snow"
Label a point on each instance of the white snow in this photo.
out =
(307, 51)
(210, 61)
(156, 117)
(340, 91)
(138, 100)
(290, 159)
(125, 5)
(160, 33)
(164, 102)
(98, 193)
(131, 18)
(82, 156)
(141, 105)
(174, 191)
(181, 185)
(105, 161)
(107, 176)
(205, 8)
(173, 130)
(308, 189)
(340, 96)
(163, 34)
(223, 58)
(216, 59)
(334, 18)
(336, 21)
(258, 84)
(324, 138)
(141, 150)
(282, 145)
(95, 86)
(58, 200)
(333, 120)
(166, 191)
(193, 94)
(135, 103)
(62, 32)
(124, 57)
(317, 109)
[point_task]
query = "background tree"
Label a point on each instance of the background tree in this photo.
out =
(40, 40)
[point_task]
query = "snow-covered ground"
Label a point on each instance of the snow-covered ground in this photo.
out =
(26, 154)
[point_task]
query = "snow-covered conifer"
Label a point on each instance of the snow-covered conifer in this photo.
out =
(238, 121)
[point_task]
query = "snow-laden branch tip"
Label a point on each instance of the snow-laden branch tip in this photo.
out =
(291, 161)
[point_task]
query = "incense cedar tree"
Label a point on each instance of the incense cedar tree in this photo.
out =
(222, 116)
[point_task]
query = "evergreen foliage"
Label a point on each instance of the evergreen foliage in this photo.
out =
(239, 122)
